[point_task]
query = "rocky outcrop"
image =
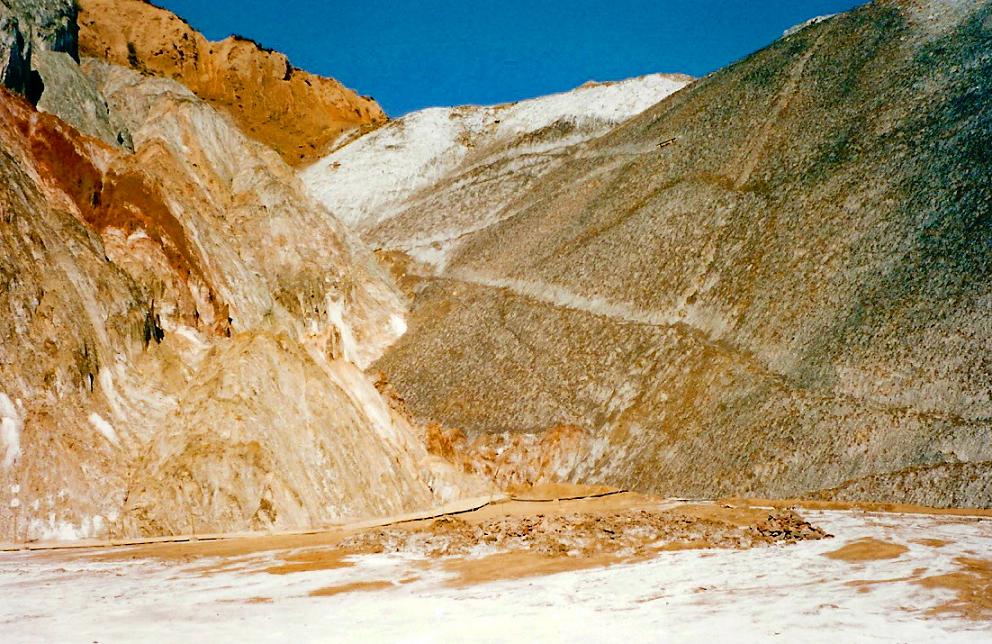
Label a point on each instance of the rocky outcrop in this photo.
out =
(300, 115)
(39, 59)
(74, 98)
(251, 249)
(28, 27)
(184, 334)
(773, 282)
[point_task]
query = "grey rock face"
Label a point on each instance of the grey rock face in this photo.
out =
(39, 59)
(74, 98)
(50, 24)
(15, 70)
(27, 26)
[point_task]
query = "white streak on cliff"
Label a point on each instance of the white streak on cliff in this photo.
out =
(105, 428)
(11, 425)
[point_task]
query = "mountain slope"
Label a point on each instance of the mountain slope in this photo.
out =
(422, 182)
(794, 296)
(301, 115)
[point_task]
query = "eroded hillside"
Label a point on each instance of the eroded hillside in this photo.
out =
(772, 282)
(791, 297)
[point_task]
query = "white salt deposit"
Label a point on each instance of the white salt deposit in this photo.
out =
(791, 592)
(364, 182)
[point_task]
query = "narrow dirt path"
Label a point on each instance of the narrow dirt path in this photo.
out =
(560, 297)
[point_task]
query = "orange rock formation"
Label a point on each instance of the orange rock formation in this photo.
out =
(299, 114)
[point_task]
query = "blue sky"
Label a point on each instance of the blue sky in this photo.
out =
(411, 54)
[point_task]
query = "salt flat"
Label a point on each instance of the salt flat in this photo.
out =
(892, 578)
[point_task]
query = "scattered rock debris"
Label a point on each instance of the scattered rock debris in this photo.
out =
(579, 534)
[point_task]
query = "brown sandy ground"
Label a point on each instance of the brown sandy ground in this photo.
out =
(971, 583)
(868, 549)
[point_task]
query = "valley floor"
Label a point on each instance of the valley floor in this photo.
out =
(611, 568)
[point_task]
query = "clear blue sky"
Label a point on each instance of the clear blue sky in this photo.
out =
(410, 54)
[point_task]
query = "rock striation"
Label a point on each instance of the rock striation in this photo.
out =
(300, 115)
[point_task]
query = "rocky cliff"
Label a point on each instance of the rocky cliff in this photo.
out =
(774, 282)
(184, 330)
(39, 56)
(300, 115)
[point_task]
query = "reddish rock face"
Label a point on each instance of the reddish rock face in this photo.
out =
(298, 114)
(120, 200)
